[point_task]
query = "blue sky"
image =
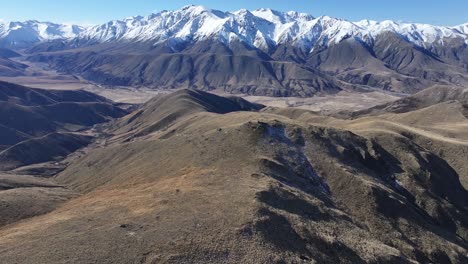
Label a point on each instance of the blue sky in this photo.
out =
(438, 12)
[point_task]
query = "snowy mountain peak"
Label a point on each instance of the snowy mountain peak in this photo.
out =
(463, 28)
(281, 17)
(242, 12)
(261, 28)
(22, 34)
(187, 7)
(193, 9)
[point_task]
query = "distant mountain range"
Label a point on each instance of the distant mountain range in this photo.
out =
(24, 34)
(262, 28)
(262, 52)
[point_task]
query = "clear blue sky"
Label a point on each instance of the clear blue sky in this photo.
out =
(438, 12)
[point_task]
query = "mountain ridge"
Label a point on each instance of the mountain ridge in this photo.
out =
(197, 22)
(261, 52)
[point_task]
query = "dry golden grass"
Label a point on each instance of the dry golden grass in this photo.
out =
(281, 185)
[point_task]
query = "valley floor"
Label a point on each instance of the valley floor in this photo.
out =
(39, 75)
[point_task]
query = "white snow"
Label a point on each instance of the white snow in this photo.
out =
(259, 28)
(33, 31)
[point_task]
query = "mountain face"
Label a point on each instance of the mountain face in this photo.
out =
(261, 52)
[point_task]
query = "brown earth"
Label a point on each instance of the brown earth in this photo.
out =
(191, 177)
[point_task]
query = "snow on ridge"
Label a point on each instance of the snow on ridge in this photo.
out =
(265, 25)
(463, 28)
(417, 33)
(33, 31)
(259, 28)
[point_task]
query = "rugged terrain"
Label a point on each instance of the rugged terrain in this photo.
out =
(192, 177)
(261, 52)
(349, 145)
(38, 129)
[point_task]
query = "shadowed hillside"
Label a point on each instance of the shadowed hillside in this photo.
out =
(53, 146)
(27, 113)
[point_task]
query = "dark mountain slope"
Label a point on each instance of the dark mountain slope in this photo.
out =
(82, 114)
(27, 96)
(9, 68)
(453, 50)
(11, 136)
(356, 63)
(41, 120)
(41, 149)
(28, 112)
(389, 62)
(8, 53)
(25, 119)
(407, 59)
(240, 70)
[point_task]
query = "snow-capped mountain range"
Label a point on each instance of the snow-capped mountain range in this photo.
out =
(261, 28)
(32, 31)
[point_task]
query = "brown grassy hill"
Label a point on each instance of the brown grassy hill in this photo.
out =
(160, 112)
(23, 197)
(216, 186)
(436, 119)
(425, 98)
(441, 129)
